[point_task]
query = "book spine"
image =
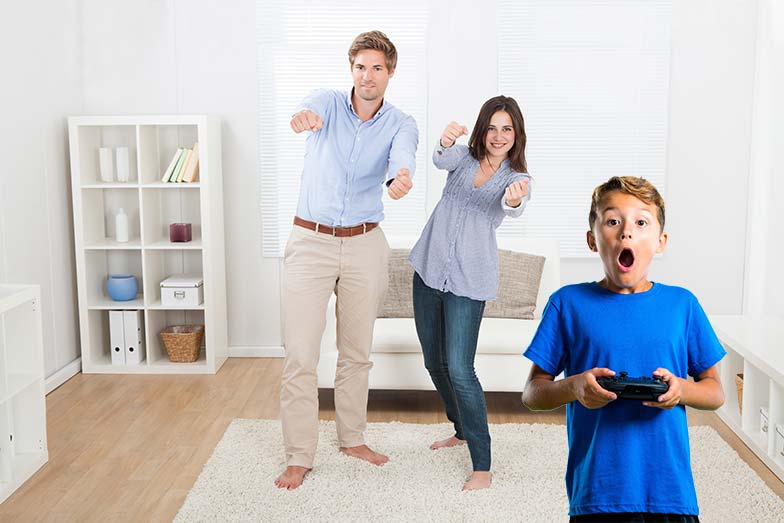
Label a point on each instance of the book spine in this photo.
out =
(180, 161)
(170, 168)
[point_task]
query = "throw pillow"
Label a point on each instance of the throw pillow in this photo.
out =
(398, 302)
(520, 274)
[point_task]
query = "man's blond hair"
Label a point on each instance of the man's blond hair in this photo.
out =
(640, 188)
(376, 41)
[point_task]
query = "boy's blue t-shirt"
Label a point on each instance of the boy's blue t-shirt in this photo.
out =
(626, 457)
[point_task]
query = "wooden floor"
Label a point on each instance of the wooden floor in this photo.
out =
(128, 448)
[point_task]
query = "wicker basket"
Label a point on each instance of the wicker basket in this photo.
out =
(182, 342)
(739, 386)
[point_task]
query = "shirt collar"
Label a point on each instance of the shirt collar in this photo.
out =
(381, 110)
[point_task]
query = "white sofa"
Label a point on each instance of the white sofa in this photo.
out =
(397, 355)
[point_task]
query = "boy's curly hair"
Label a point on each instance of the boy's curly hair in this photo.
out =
(640, 188)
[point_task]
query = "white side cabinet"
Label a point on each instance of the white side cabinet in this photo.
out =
(23, 448)
(151, 206)
(755, 350)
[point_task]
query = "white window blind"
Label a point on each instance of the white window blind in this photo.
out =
(591, 77)
(303, 45)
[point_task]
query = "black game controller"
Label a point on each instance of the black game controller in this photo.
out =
(644, 388)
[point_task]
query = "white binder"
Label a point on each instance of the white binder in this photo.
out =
(116, 337)
(134, 344)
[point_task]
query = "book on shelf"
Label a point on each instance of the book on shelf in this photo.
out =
(184, 165)
(191, 173)
(172, 164)
(176, 171)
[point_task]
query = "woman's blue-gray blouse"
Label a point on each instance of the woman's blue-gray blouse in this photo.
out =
(457, 251)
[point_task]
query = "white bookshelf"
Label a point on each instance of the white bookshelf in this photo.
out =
(755, 348)
(149, 255)
(23, 448)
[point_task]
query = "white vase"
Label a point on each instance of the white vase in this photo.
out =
(123, 164)
(121, 226)
(106, 163)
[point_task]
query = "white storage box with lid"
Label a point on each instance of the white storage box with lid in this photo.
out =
(182, 290)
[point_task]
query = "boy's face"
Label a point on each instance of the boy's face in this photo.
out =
(626, 235)
(370, 74)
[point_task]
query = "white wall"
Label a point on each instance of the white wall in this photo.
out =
(764, 292)
(41, 86)
(199, 56)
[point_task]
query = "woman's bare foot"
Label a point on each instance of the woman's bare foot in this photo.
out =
(452, 441)
(364, 452)
(292, 477)
(479, 480)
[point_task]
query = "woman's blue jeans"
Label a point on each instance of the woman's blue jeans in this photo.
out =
(448, 328)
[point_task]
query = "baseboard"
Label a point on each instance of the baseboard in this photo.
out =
(63, 375)
(255, 352)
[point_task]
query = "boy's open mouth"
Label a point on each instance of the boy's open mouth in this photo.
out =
(626, 258)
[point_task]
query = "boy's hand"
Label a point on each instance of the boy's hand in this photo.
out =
(452, 132)
(672, 397)
(400, 185)
(587, 390)
(306, 120)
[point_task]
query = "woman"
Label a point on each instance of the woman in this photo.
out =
(456, 265)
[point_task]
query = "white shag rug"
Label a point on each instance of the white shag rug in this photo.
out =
(419, 484)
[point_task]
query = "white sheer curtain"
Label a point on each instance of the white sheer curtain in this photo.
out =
(592, 78)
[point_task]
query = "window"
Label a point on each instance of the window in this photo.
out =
(303, 45)
(592, 80)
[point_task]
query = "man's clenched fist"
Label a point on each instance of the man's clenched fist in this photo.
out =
(400, 185)
(306, 120)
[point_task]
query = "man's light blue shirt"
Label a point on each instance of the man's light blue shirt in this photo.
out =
(348, 163)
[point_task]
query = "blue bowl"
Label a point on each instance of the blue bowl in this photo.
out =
(122, 287)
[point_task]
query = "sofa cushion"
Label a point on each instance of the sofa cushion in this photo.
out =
(496, 335)
(519, 273)
(399, 302)
(519, 276)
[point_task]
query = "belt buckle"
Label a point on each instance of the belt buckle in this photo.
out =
(364, 228)
(334, 231)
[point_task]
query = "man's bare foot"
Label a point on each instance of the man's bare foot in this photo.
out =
(292, 477)
(452, 441)
(364, 452)
(478, 480)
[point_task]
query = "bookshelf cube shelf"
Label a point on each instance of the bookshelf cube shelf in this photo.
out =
(162, 207)
(151, 206)
(161, 263)
(99, 264)
(160, 318)
(100, 209)
(91, 139)
(158, 145)
(23, 447)
(754, 350)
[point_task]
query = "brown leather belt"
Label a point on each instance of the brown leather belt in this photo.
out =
(340, 232)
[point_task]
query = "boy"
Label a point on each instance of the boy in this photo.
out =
(628, 460)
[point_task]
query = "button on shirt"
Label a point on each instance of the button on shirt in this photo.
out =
(457, 251)
(349, 162)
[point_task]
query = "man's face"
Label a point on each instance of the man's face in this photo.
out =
(370, 74)
(626, 235)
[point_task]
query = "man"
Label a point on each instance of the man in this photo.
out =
(358, 145)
